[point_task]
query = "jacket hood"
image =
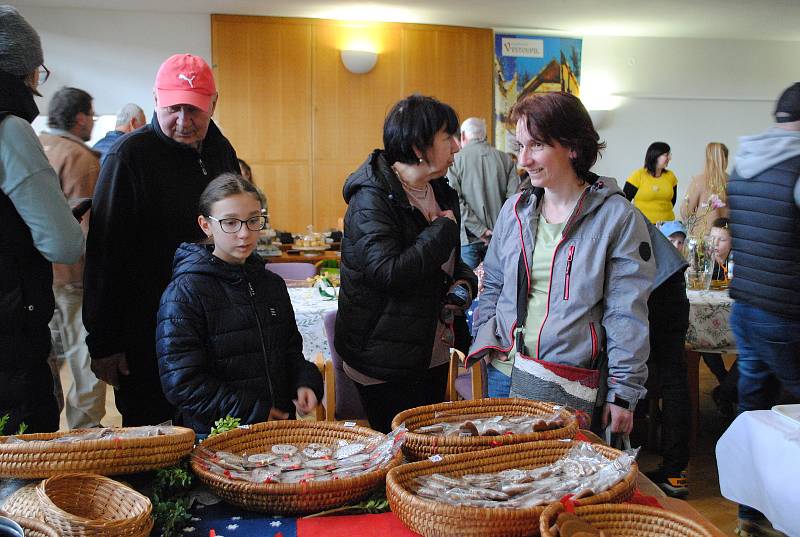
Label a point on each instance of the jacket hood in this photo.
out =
(193, 258)
(375, 172)
(760, 152)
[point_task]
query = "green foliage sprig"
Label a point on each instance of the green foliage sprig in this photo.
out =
(222, 425)
(377, 503)
(170, 497)
(4, 420)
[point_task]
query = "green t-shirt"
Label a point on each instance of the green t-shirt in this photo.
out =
(547, 238)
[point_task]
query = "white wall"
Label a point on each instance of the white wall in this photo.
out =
(114, 55)
(686, 92)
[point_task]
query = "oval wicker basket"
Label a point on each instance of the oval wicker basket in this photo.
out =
(436, 519)
(35, 528)
(89, 505)
(24, 502)
(286, 498)
(421, 446)
(107, 456)
(627, 520)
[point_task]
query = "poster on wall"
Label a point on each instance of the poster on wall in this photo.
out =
(526, 64)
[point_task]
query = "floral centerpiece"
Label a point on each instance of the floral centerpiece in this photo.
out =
(699, 250)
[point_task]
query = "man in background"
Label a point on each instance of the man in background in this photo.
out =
(70, 117)
(484, 178)
(145, 206)
(765, 218)
(130, 118)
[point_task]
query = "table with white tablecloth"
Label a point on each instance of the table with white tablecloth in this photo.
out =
(309, 308)
(757, 460)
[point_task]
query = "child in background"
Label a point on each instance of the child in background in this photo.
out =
(721, 236)
(226, 340)
(675, 231)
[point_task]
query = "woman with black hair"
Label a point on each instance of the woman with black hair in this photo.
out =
(654, 188)
(404, 286)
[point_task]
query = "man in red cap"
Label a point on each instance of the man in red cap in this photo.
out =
(145, 205)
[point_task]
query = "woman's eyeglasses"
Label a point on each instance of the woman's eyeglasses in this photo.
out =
(233, 225)
(44, 74)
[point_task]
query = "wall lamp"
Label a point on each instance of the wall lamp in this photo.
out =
(359, 61)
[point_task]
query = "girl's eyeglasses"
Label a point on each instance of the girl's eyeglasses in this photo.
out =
(233, 225)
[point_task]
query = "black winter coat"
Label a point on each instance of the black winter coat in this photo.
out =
(393, 286)
(26, 301)
(227, 341)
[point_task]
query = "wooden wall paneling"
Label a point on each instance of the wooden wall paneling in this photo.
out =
(348, 109)
(452, 64)
(263, 74)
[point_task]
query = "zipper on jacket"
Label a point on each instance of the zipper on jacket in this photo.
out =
(564, 233)
(252, 294)
(202, 165)
(569, 269)
(595, 346)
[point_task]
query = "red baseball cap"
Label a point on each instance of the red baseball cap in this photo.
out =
(185, 79)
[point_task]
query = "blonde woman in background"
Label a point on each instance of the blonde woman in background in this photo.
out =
(713, 181)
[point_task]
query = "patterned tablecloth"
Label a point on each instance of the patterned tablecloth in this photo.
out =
(309, 307)
(709, 321)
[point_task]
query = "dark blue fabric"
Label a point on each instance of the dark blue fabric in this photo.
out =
(227, 342)
(765, 224)
(472, 254)
(498, 383)
(229, 521)
(104, 144)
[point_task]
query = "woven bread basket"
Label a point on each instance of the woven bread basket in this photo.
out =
(90, 505)
(626, 520)
(35, 528)
(437, 519)
(24, 502)
(421, 446)
(108, 456)
(286, 498)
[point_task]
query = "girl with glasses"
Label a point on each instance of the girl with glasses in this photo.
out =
(226, 339)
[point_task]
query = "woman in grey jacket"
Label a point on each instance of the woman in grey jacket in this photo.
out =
(567, 274)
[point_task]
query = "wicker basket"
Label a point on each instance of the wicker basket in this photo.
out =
(627, 520)
(108, 456)
(421, 446)
(285, 498)
(24, 503)
(431, 518)
(35, 528)
(89, 505)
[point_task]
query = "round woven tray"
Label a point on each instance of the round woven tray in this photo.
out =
(32, 460)
(627, 520)
(285, 498)
(431, 518)
(89, 505)
(24, 503)
(421, 446)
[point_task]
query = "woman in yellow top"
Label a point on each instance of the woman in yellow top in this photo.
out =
(654, 189)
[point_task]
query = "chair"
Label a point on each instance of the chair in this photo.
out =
(293, 271)
(341, 396)
(471, 384)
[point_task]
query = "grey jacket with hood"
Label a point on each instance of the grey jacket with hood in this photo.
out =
(601, 277)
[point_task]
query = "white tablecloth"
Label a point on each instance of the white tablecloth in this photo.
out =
(709, 321)
(758, 459)
(309, 307)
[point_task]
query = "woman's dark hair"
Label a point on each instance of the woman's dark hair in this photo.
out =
(65, 105)
(722, 223)
(655, 150)
(226, 184)
(561, 117)
(413, 123)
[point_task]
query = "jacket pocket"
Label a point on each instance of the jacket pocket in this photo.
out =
(567, 272)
